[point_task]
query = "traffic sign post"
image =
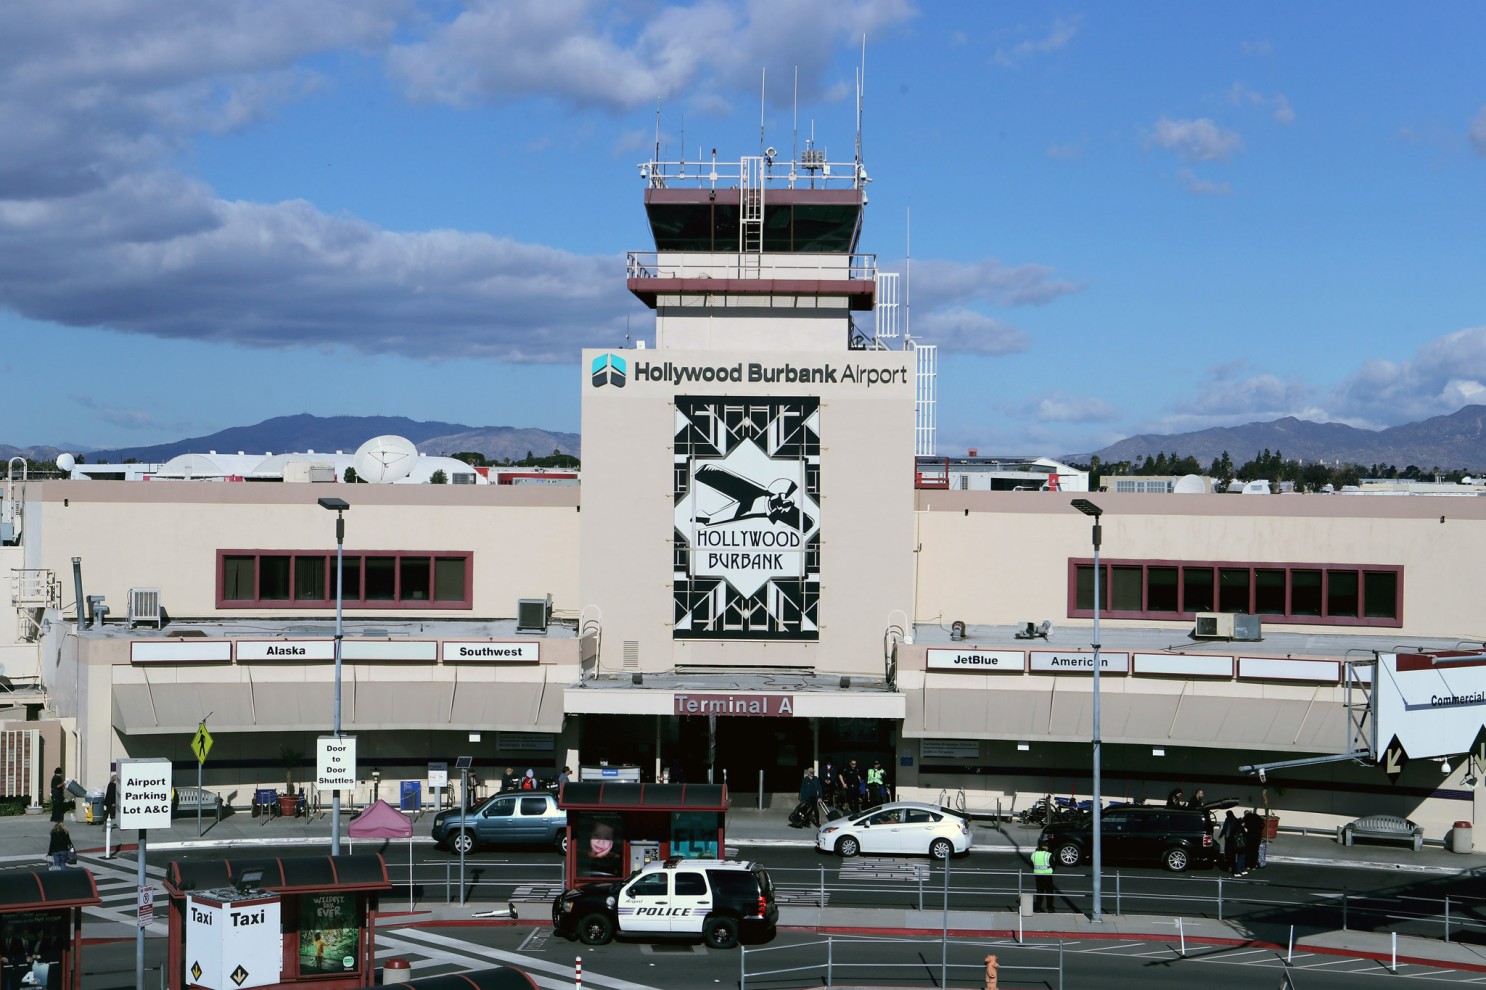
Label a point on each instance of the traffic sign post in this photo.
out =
(201, 744)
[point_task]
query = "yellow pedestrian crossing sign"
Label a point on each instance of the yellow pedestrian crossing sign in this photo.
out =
(201, 743)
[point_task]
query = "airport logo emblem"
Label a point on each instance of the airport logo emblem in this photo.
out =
(747, 518)
(609, 369)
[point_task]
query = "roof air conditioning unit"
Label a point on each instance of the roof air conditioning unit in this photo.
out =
(144, 606)
(1214, 625)
(533, 614)
(1246, 628)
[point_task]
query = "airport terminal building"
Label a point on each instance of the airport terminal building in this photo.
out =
(751, 577)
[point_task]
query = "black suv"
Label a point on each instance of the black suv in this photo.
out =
(719, 899)
(1175, 838)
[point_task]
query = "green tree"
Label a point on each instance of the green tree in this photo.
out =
(350, 476)
(438, 478)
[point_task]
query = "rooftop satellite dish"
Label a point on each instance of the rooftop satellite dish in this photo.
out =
(382, 460)
(66, 462)
(1189, 484)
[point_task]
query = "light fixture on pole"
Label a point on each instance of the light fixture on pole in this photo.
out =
(1090, 509)
(339, 507)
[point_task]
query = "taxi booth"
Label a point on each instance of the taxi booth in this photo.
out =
(241, 923)
(41, 926)
(614, 829)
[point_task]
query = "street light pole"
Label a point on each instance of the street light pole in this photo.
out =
(339, 507)
(1090, 509)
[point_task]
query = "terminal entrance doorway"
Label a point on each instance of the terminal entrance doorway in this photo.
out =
(779, 747)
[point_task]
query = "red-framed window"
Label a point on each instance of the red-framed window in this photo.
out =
(384, 579)
(1312, 594)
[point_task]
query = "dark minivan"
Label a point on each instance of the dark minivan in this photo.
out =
(1147, 835)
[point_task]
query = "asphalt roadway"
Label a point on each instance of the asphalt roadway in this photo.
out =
(751, 833)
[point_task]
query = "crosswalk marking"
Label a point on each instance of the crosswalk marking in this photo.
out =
(118, 887)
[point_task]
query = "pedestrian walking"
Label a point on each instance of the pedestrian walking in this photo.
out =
(111, 797)
(827, 778)
(1235, 845)
(1176, 799)
(1253, 828)
(876, 783)
(57, 794)
(1042, 873)
(1199, 798)
(59, 846)
(508, 780)
(565, 776)
(851, 784)
(805, 814)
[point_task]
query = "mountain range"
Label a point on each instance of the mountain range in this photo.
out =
(1455, 441)
(329, 433)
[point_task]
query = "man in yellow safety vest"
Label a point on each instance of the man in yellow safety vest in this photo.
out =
(1042, 870)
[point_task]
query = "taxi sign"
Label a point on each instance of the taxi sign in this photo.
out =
(201, 743)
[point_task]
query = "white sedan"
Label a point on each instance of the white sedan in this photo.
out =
(900, 828)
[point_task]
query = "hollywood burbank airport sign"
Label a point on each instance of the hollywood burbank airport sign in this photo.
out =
(776, 705)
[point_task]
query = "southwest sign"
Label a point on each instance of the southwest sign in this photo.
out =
(777, 705)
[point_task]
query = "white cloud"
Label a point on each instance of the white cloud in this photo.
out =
(591, 53)
(1478, 132)
(1058, 407)
(943, 283)
(1057, 37)
(1444, 374)
(1203, 187)
(961, 329)
(1067, 151)
(1241, 95)
(1198, 140)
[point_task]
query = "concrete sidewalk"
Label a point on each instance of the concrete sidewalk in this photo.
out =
(750, 833)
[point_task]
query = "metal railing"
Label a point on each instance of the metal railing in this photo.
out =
(834, 967)
(821, 267)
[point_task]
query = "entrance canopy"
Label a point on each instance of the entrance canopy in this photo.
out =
(45, 890)
(304, 874)
(594, 796)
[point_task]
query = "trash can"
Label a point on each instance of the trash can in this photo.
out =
(1460, 837)
(95, 807)
(412, 795)
(396, 970)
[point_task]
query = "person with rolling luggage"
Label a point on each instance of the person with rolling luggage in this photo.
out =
(805, 814)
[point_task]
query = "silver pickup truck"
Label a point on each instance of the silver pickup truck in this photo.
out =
(518, 818)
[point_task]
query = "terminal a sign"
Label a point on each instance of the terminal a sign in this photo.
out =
(777, 705)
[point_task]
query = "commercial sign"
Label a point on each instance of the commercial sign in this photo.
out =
(735, 704)
(335, 763)
(1183, 665)
(144, 793)
(980, 661)
(299, 650)
(1433, 704)
(527, 651)
(234, 944)
(1288, 669)
(181, 651)
(747, 526)
(1076, 662)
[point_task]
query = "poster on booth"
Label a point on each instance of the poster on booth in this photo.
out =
(329, 933)
(335, 764)
(144, 793)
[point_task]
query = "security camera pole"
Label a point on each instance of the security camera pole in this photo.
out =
(1090, 509)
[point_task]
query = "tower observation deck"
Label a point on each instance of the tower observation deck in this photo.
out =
(746, 232)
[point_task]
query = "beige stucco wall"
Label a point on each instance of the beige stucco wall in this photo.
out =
(1002, 557)
(166, 534)
(866, 514)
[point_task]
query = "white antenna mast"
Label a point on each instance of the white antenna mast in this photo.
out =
(763, 75)
(861, 91)
(908, 273)
(657, 131)
(794, 148)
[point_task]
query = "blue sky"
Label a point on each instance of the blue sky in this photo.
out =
(1132, 218)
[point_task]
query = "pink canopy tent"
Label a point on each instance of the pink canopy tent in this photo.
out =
(379, 820)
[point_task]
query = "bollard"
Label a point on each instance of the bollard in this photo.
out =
(397, 970)
(578, 973)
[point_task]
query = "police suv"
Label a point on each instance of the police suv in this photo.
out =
(721, 900)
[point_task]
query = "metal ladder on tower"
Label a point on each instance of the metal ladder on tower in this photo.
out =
(750, 217)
